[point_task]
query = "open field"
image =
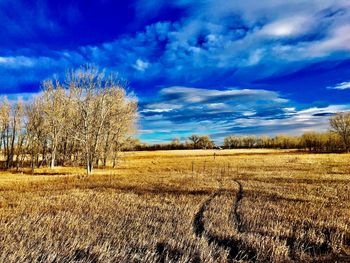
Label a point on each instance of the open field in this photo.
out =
(182, 206)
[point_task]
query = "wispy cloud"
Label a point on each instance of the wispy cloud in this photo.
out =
(24, 73)
(340, 86)
(212, 41)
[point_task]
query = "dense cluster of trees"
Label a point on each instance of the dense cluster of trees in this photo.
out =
(84, 120)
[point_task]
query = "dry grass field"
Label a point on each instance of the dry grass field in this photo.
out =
(182, 206)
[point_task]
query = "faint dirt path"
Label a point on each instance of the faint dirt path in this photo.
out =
(198, 221)
(233, 245)
(239, 197)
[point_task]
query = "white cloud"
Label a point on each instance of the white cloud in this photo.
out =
(336, 41)
(141, 65)
(18, 61)
(155, 110)
(341, 86)
(288, 27)
(23, 96)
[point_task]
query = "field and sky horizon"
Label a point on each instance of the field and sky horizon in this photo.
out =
(197, 67)
(190, 131)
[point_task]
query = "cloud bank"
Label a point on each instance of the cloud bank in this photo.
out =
(182, 111)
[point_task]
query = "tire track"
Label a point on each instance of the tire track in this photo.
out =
(237, 250)
(251, 253)
(292, 242)
(239, 197)
(198, 221)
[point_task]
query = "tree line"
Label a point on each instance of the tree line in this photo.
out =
(83, 120)
(193, 142)
(311, 141)
(337, 139)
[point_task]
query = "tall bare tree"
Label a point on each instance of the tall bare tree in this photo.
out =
(11, 118)
(54, 109)
(340, 123)
(5, 125)
(36, 134)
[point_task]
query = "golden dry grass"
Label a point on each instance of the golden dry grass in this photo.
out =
(182, 206)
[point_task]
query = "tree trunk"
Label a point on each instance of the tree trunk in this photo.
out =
(53, 160)
(53, 157)
(89, 165)
(32, 163)
(115, 158)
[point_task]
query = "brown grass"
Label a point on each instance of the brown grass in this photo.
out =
(182, 206)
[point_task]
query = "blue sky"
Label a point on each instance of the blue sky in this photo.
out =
(215, 67)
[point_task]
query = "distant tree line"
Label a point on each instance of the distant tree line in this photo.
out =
(311, 141)
(84, 120)
(193, 142)
(335, 140)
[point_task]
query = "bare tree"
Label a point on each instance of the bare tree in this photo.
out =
(195, 140)
(83, 120)
(340, 124)
(11, 119)
(54, 109)
(5, 125)
(205, 142)
(119, 125)
(35, 131)
(100, 111)
(201, 142)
